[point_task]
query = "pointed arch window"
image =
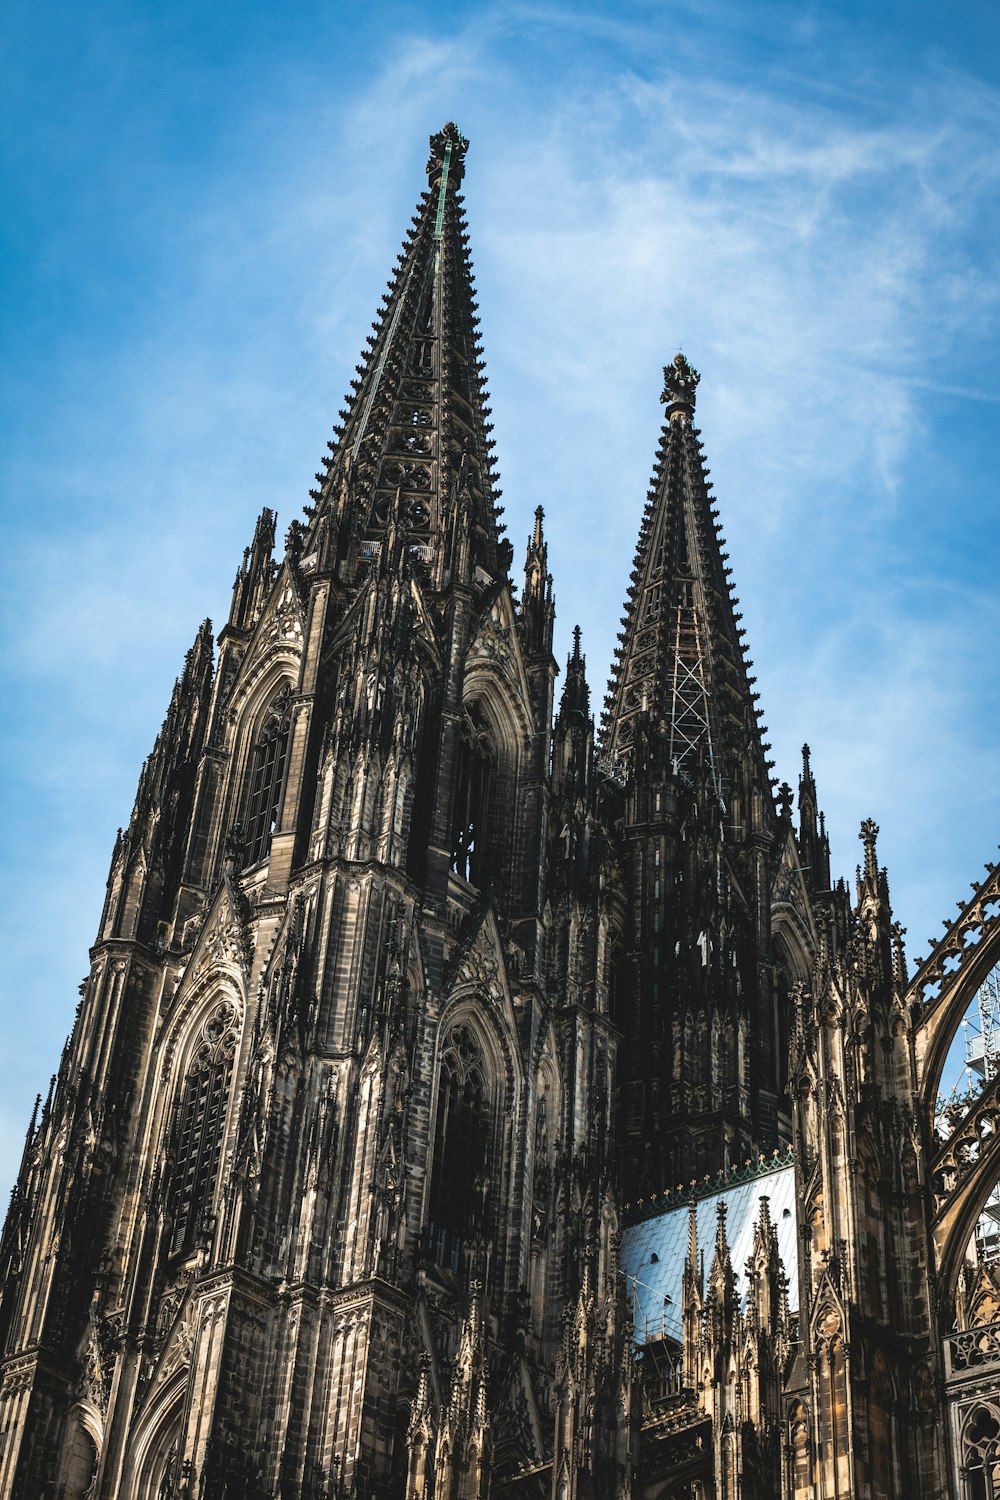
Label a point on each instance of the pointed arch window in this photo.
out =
(265, 779)
(981, 1453)
(881, 1402)
(199, 1125)
(164, 1472)
(801, 1460)
(782, 1044)
(472, 803)
(459, 1174)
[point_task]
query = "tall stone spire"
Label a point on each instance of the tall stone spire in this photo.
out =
(413, 445)
(681, 740)
(681, 663)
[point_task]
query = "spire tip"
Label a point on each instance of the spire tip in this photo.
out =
(448, 146)
(539, 517)
(680, 382)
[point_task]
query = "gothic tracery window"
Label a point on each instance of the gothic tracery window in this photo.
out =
(265, 778)
(199, 1124)
(981, 1454)
(476, 766)
(164, 1475)
(461, 1148)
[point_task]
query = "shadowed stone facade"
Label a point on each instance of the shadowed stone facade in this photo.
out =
(410, 993)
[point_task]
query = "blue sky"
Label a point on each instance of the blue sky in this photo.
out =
(203, 203)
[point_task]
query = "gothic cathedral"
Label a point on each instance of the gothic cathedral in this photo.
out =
(467, 1102)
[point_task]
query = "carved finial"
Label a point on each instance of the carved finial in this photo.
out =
(577, 637)
(680, 382)
(785, 800)
(692, 1254)
(294, 537)
(536, 559)
(34, 1122)
(421, 1405)
(449, 145)
(868, 834)
(898, 953)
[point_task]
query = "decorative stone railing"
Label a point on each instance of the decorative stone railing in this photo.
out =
(690, 1192)
(972, 1351)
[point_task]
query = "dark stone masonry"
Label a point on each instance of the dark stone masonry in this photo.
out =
(464, 1102)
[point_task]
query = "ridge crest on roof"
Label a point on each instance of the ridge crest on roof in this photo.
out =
(692, 1192)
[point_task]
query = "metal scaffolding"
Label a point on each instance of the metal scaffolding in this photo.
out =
(970, 1070)
(690, 721)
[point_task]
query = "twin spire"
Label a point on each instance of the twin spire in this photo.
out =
(413, 447)
(413, 453)
(680, 671)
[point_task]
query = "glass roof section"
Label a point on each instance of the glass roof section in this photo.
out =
(653, 1252)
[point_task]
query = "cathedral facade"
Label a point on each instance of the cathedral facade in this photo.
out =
(466, 1100)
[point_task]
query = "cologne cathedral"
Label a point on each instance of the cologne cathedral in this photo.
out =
(466, 1100)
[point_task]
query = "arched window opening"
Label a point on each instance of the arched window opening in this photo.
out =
(475, 780)
(265, 779)
(199, 1124)
(981, 1454)
(165, 1472)
(782, 1041)
(79, 1464)
(882, 1446)
(983, 1249)
(601, 1099)
(730, 1069)
(459, 1180)
(972, 1065)
(801, 1463)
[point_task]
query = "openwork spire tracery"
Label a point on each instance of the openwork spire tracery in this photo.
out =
(413, 451)
(680, 666)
